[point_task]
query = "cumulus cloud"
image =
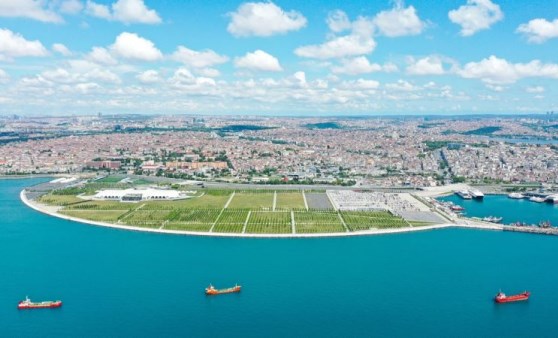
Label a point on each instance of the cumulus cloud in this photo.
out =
(338, 21)
(61, 49)
(31, 9)
(258, 60)
(476, 15)
(535, 89)
(263, 19)
(101, 55)
(13, 45)
(355, 66)
(126, 11)
(4, 77)
(430, 65)
(132, 46)
(494, 70)
(338, 47)
(149, 76)
(198, 59)
(402, 85)
(399, 21)
(539, 30)
(71, 6)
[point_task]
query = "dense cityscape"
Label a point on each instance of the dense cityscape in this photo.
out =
(377, 151)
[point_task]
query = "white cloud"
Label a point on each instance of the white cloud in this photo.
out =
(4, 77)
(535, 89)
(61, 49)
(198, 59)
(263, 19)
(495, 88)
(101, 55)
(476, 15)
(361, 84)
(149, 76)
(355, 66)
(98, 10)
(71, 6)
(338, 21)
(132, 46)
(399, 21)
(494, 70)
(402, 85)
(430, 65)
(207, 72)
(539, 30)
(338, 47)
(13, 45)
(126, 11)
(258, 60)
(184, 79)
(32, 9)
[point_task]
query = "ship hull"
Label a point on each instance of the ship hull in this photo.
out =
(214, 292)
(39, 306)
(511, 299)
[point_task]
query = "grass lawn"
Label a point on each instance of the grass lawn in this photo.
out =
(95, 215)
(254, 201)
(61, 200)
(204, 202)
(289, 200)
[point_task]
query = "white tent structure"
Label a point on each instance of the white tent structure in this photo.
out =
(135, 195)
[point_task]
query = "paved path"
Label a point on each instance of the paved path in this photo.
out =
(246, 222)
(229, 200)
(304, 198)
(343, 222)
(274, 200)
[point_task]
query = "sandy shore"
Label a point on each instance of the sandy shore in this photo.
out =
(52, 211)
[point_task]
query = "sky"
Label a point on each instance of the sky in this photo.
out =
(278, 58)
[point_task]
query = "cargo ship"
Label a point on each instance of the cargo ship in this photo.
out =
(210, 290)
(502, 298)
(28, 304)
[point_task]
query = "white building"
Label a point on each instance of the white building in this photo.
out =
(135, 195)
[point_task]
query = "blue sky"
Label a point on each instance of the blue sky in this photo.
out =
(277, 58)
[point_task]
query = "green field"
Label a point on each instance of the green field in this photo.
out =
(95, 215)
(253, 201)
(250, 211)
(289, 200)
(317, 222)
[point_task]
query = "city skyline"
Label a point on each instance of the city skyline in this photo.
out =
(277, 58)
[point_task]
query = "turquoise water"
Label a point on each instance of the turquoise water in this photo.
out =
(116, 283)
(511, 210)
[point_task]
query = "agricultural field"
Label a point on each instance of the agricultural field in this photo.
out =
(95, 215)
(59, 200)
(269, 222)
(253, 201)
(231, 221)
(146, 218)
(102, 205)
(289, 200)
(365, 220)
(204, 201)
(317, 222)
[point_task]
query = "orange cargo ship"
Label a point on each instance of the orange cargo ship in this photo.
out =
(210, 290)
(502, 298)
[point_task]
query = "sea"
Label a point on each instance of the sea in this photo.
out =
(511, 210)
(118, 283)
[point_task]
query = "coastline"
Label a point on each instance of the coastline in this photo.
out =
(43, 209)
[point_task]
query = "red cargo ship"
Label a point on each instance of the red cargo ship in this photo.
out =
(210, 290)
(28, 304)
(502, 298)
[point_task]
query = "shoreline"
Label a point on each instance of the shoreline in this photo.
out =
(43, 209)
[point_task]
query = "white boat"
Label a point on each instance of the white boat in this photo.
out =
(516, 195)
(463, 194)
(476, 194)
(536, 199)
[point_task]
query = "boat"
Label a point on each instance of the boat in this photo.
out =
(457, 208)
(476, 194)
(28, 304)
(210, 290)
(492, 219)
(552, 199)
(545, 224)
(502, 298)
(463, 194)
(536, 199)
(516, 195)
